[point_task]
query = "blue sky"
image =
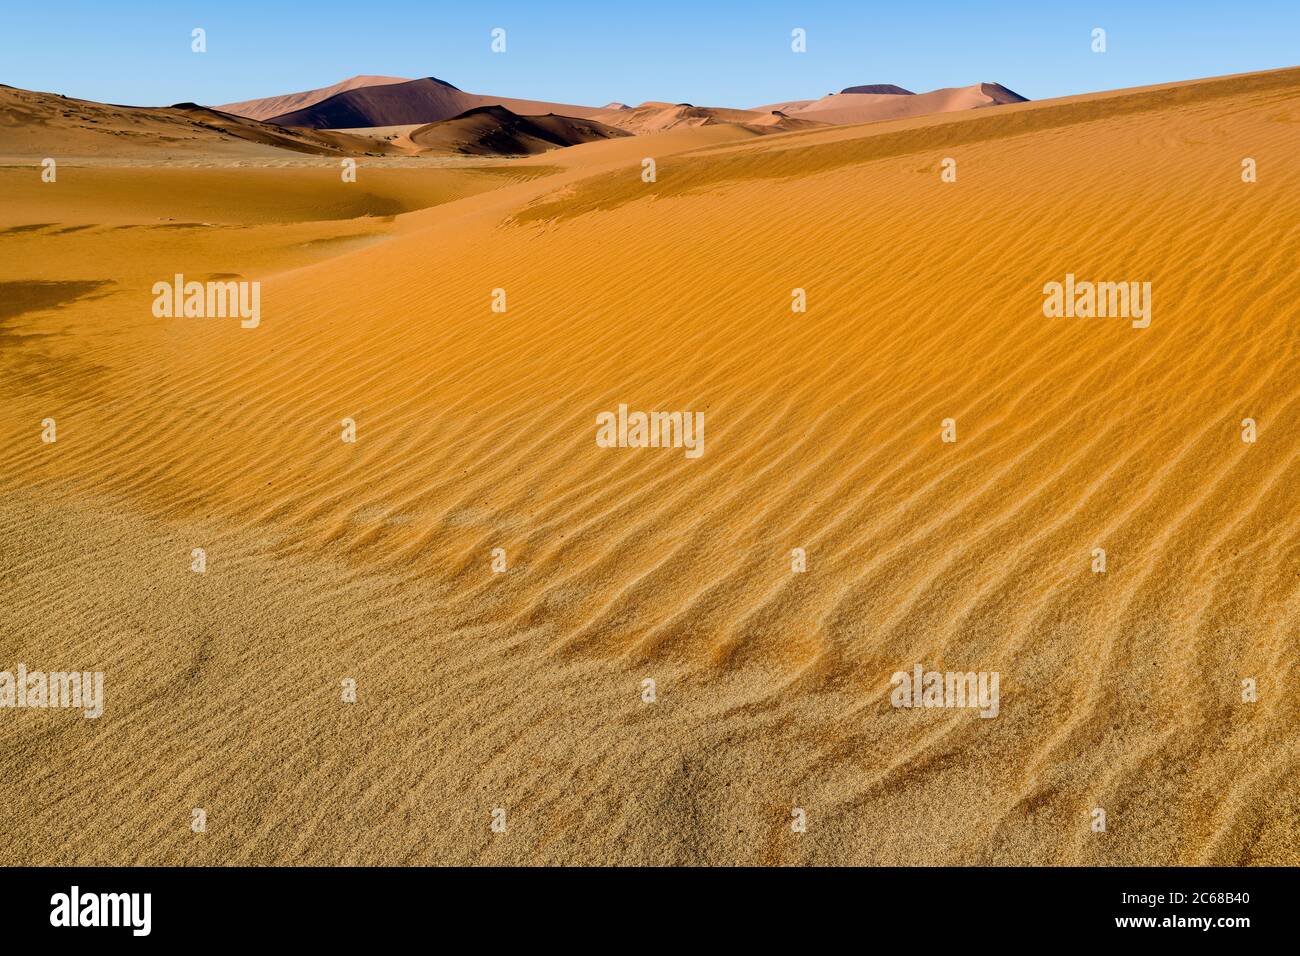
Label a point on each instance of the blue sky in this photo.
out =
(717, 54)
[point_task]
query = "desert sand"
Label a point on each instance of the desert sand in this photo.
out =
(880, 102)
(496, 131)
(266, 107)
(656, 117)
(426, 100)
(38, 124)
(363, 103)
(523, 690)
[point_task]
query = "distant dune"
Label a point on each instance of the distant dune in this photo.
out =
(779, 122)
(655, 117)
(370, 101)
(48, 124)
(496, 131)
(879, 88)
(872, 104)
(267, 107)
(425, 100)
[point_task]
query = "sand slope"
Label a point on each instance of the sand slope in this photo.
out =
(495, 131)
(264, 108)
(35, 124)
(426, 100)
(523, 690)
(878, 88)
(656, 117)
(872, 104)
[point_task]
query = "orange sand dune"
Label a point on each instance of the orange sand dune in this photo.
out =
(784, 122)
(426, 100)
(34, 124)
(659, 117)
(524, 690)
(851, 107)
(496, 131)
(266, 107)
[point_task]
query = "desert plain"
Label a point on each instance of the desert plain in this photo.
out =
(476, 690)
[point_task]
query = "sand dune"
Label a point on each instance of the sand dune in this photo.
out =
(366, 101)
(427, 100)
(872, 104)
(266, 107)
(523, 690)
(653, 117)
(778, 121)
(495, 131)
(34, 124)
(792, 106)
(878, 88)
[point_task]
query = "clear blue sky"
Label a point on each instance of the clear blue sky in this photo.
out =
(718, 54)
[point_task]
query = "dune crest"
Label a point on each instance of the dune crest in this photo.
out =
(872, 104)
(40, 124)
(384, 102)
(496, 131)
(264, 108)
(426, 100)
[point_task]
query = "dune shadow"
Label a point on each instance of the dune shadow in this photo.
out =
(27, 361)
(29, 227)
(25, 296)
